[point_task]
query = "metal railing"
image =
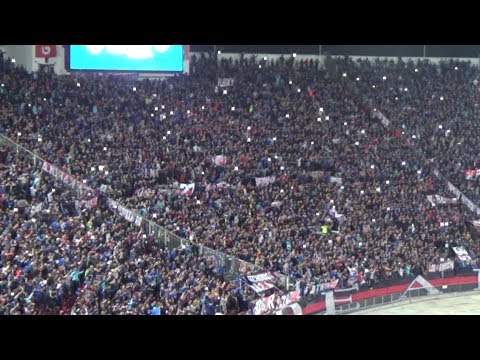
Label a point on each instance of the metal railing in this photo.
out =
(232, 266)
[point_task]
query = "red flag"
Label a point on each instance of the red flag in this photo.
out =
(45, 51)
(186, 52)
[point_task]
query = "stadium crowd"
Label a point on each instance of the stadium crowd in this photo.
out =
(318, 175)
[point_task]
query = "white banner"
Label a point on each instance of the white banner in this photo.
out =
(336, 215)
(381, 117)
(466, 201)
(187, 189)
(219, 160)
(336, 180)
(263, 181)
(437, 199)
(225, 82)
(470, 174)
(275, 302)
(144, 192)
(444, 266)
(462, 253)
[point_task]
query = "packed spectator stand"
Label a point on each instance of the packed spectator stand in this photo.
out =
(316, 175)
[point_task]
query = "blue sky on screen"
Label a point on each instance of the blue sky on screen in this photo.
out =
(127, 57)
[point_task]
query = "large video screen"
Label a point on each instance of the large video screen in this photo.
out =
(127, 57)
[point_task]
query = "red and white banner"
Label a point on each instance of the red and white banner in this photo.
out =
(187, 189)
(275, 302)
(219, 160)
(45, 51)
(470, 174)
(329, 285)
(261, 282)
(462, 253)
(264, 181)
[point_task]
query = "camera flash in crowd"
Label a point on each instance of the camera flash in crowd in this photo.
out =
(34, 220)
(44, 99)
(163, 106)
(321, 109)
(225, 92)
(53, 190)
(106, 172)
(360, 243)
(362, 192)
(357, 143)
(375, 109)
(168, 132)
(282, 168)
(171, 112)
(345, 123)
(164, 138)
(156, 108)
(287, 116)
(39, 139)
(406, 90)
(219, 52)
(312, 143)
(15, 209)
(416, 70)
(372, 166)
(233, 108)
(198, 202)
(388, 209)
(373, 220)
(84, 181)
(384, 78)
(396, 98)
(446, 223)
(92, 169)
(236, 168)
(203, 107)
(441, 98)
(358, 79)
(330, 241)
(318, 214)
(342, 187)
(152, 115)
(203, 173)
(275, 139)
(13, 60)
(319, 119)
(29, 105)
(299, 90)
(433, 204)
(327, 117)
(442, 224)
(414, 136)
(154, 216)
(259, 66)
(248, 140)
(100, 167)
(188, 111)
(281, 191)
(294, 54)
(269, 159)
(78, 84)
(448, 131)
(249, 128)
(344, 74)
(265, 58)
(419, 172)
(378, 189)
(373, 86)
(134, 88)
(387, 182)
(456, 68)
(19, 134)
(290, 82)
(363, 131)
(331, 201)
(440, 126)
